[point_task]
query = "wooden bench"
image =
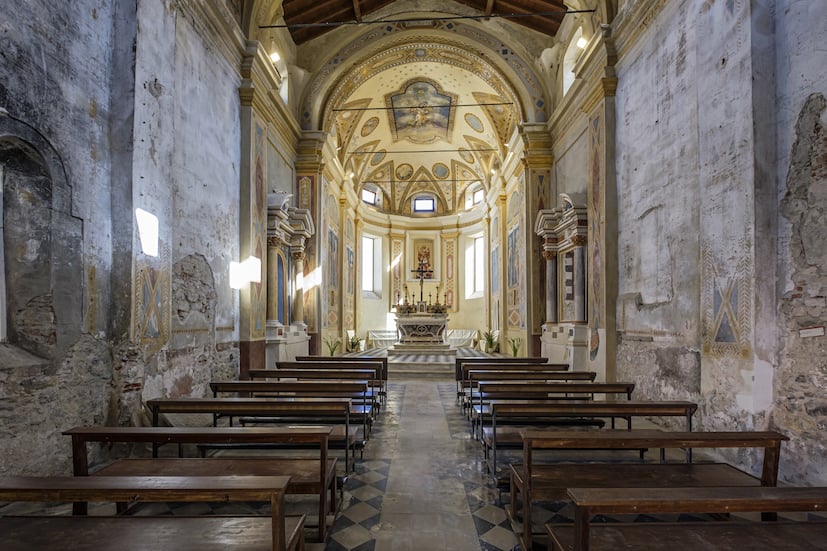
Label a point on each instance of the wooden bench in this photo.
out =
(587, 409)
(212, 533)
(711, 535)
(302, 411)
(316, 475)
(359, 392)
(459, 362)
(532, 482)
(519, 391)
(377, 380)
(347, 360)
(516, 372)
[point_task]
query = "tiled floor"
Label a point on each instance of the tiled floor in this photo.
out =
(421, 484)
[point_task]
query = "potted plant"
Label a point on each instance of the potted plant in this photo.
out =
(489, 339)
(332, 344)
(515, 343)
(354, 343)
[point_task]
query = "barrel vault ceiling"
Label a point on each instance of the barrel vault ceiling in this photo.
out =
(423, 116)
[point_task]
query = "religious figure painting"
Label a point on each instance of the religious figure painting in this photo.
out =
(422, 257)
(420, 112)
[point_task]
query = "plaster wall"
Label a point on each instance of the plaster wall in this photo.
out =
(683, 137)
(55, 96)
(707, 94)
(801, 118)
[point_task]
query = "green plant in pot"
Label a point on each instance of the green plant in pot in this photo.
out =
(490, 340)
(515, 343)
(332, 344)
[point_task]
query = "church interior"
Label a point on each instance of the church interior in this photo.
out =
(196, 190)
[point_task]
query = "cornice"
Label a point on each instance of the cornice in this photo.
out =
(633, 21)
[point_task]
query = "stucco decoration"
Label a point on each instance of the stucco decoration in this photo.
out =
(369, 126)
(531, 88)
(421, 112)
(347, 120)
(726, 302)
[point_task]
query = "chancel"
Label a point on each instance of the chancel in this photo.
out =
(417, 200)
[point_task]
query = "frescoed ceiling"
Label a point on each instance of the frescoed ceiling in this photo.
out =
(422, 117)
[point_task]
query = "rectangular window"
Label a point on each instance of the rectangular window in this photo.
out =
(479, 264)
(479, 195)
(371, 266)
(367, 263)
(475, 267)
(368, 196)
(424, 204)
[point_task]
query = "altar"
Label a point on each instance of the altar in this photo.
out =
(421, 333)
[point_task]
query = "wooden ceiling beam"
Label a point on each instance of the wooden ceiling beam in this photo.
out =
(489, 7)
(357, 11)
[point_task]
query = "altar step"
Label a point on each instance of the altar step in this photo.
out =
(422, 365)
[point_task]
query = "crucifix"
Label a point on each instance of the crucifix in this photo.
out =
(422, 272)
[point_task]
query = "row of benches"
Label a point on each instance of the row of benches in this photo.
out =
(687, 486)
(319, 394)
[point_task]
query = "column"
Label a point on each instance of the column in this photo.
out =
(579, 242)
(551, 286)
(272, 279)
(298, 295)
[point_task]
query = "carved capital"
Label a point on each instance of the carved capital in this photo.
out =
(273, 241)
(579, 240)
(549, 255)
(298, 256)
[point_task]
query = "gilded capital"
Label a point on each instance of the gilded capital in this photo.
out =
(298, 256)
(549, 255)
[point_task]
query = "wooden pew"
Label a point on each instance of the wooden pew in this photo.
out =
(711, 535)
(531, 482)
(507, 371)
(586, 409)
(306, 411)
(382, 360)
(211, 533)
(503, 391)
(359, 393)
(378, 380)
(316, 475)
(459, 362)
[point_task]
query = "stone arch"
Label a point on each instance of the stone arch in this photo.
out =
(42, 242)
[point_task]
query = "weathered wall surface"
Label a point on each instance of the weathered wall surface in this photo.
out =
(658, 204)
(699, 193)
(54, 85)
(801, 376)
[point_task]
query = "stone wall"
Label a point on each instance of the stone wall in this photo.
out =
(709, 96)
(801, 376)
(54, 134)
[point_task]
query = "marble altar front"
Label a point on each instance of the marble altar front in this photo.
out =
(421, 332)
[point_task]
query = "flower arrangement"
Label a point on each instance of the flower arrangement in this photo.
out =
(332, 344)
(437, 308)
(514, 343)
(354, 343)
